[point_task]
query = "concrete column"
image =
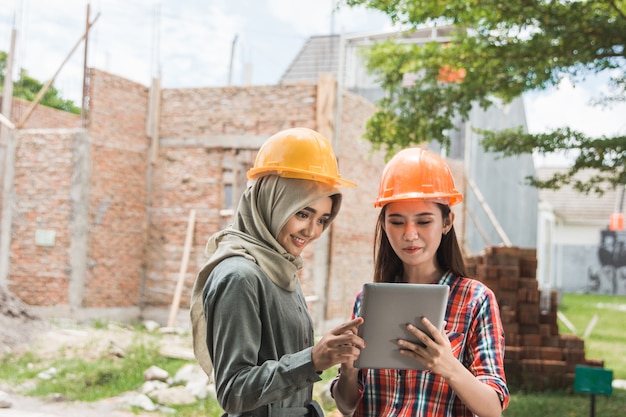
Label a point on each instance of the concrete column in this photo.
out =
(8, 203)
(79, 194)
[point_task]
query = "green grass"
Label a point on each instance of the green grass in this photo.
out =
(565, 404)
(607, 340)
(87, 380)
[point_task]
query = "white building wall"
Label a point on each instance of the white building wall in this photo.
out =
(578, 268)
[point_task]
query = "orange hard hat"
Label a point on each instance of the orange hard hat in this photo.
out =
(298, 153)
(415, 174)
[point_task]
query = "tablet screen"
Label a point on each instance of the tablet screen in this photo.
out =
(386, 309)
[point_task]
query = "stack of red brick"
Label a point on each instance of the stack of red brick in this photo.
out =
(537, 357)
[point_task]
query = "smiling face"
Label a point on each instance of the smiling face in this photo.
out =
(414, 229)
(305, 226)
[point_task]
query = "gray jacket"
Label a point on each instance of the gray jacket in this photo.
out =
(259, 337)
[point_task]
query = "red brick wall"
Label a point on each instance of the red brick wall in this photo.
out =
(190, 177)
(186, 178)
(117, 191)
(136, 228)
(42, 117)
(353, 231)
(203, 112)
(43, 170)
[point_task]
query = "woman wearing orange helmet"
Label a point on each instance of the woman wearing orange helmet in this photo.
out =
(251, 327)
(416, 243)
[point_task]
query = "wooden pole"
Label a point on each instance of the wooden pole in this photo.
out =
(7, 95)
(488, 211)
(6, 122)
(7, 167)
(83, 102)
(154, 113)
(232, 55)
(183, 269)
(45, 88)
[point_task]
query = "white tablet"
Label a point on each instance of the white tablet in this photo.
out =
(386, 309)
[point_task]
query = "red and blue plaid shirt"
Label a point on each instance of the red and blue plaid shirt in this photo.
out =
(474, 327)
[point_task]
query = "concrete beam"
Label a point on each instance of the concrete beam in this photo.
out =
(216, 141)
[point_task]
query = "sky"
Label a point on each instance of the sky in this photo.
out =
(189, 42)
(192, 43)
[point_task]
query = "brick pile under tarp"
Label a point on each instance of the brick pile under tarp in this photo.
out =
(537, 357)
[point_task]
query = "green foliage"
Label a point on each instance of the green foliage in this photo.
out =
(28, 88)
(3, 67)
(504, 49)
(605, 155)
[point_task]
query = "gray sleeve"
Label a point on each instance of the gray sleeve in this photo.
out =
(234, 335)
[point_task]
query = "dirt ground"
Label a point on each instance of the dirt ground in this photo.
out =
(18, 326)
(21, 330)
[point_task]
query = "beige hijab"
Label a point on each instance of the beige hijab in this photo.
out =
(263, 210)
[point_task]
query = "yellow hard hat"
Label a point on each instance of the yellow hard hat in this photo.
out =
(417, 174)
(299, 153)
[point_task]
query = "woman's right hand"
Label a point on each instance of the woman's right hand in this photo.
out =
(340, 345)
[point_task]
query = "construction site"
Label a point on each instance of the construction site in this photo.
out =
(105, 215)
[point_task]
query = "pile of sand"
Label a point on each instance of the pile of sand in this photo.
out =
(18, 324)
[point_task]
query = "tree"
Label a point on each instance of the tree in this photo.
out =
(27, 88)
(499, 51)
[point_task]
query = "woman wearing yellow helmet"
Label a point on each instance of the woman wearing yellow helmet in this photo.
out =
(251, 327)
(416, 243)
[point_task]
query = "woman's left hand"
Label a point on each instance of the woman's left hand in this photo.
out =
(435, 354)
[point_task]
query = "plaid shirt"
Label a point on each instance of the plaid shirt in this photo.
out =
(476, 334)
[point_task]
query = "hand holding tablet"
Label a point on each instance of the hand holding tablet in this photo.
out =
(386, 309)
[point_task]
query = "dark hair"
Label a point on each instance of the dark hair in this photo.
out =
(388, 266)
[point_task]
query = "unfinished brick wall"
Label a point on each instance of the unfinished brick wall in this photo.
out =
(127, 217)
(117, 191)
(537, 357)
(184, 179)
(189, 172)
(263, 110)
(42, 117)
(353, 230)
(42, 205)
(189, 175)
